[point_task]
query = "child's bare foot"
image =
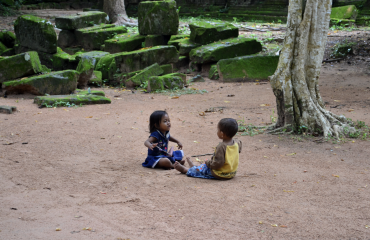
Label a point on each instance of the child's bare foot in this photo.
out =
(180, 168)
(182, 162)
(191, 164)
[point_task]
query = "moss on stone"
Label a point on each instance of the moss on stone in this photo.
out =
(95, 55)
(204, 32)
(54, 83)
(72, 99)
(124, 43)
(224, 49)
(82, 20)
(36, 33)
(344, 12)
(247, 68)
(140, 59)
(78, 32)
(3, 48)
(104, 64)
(92, 92)
(167, 68)
(182, 62)
(94, 39)
(7, 38)
(186, 45)
(179, 36)
(144, 75)
(63, 61)
(158, 18)
(169, 81)
(180, 75)
(156, 40)
(155, 83)
(20, 65)
(96, 79)
(213, 73)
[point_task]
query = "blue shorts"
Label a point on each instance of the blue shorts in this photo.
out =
(151, 161)
(201, 171)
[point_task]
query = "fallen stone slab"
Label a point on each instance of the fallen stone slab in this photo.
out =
(64, 61)
(18, 66)
(205, 32)
(94, 39)
(185, 47)
(140, 59)
(7, 38)
(36, 34)
(169, 81)
(78, 32)
(144, 75)
(7, 109)
(247, 68)
(158, 18)
(96, 55)
(167, 68)
(213, 73)
(107, 66)
(54, 83)
(81, 20)
(96, 79)
(66, 38)
(156, 40)
(228, 48)
(76, 99)
(93, 92)
(124, 43)
(344, 12)
(183, 62)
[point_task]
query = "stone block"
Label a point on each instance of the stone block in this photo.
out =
(344, 12)
(36, 34)
(107, 66)
(167, 68)
(180, 75)
(140, 59)
(144, 75)
(95, 55)
(182, 63)
(78, 32)
(18, 66)
(213, 73)
(156, 40)
(204, 32)
(7, 109)
(185, 46)
(94, 39)
(124, 43)
(3, 48)
(64, 61)
(85, 68)
(158, 18)
(247, 68)
(93, 92)
(96, 79)
(176, 39)
(228, 48)
(155, 84)
(54, 83)
(76, 99)
(66, 38)
(7, 38)
(81, 20)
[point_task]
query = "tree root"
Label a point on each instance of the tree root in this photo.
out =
(280, 129)
(122, 20)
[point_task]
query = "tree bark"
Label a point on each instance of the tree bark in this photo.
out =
(117, 12)
(295, 82)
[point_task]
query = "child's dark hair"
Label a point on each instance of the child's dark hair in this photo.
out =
(228, 126)
(155, 120)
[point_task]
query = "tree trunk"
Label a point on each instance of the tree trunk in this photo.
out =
(295, 82)
(117, 12)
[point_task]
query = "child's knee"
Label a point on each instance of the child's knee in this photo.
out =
(164, 162)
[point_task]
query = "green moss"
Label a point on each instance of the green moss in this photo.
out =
(144, 75)
(247, 68)
(342, 50)
(345, 12)
(3, 48)
(224, 49)
(167, 68)
(213, 73)
(93, 92)
(207, 32)
(155, 40)
(180, 75)
(72, 99)
(83, 20)
(185, 47)
(7, 38)
(165, 14)
(180, 36)
(155, 83)
(96, 79)
(63, 61)
(169, 81)
(124, 43)
(94, 39)
(20, 65)
(54, 83)
(104, 64)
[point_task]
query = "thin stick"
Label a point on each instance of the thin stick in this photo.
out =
(202, 155)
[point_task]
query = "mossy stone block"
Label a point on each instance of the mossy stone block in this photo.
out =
(3, 48)
(186, 45)
(158, 18)
(213, 73)
(72, 99)
(94, 39)
(93, 92)
(95, 55)
(182, 63)
(228, 48)
(156, 40)
(85, 68)
(104, 65)
(64, 61)
(179, 36)
(7, 38)
(81, 20)
(155, 83)
(66, 38)
(167, 68)
(172, 81)
(247, 68)
(205, 32)
(54, 83)
(8, 52)
(140, 59)
(124, 43)
(7, 109)
(144, 75)
(345, 12)
(20, 65)
(36, 33)
(96, 79)
(78, 32)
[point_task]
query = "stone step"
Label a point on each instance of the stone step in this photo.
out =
(203, 32)
(81, 20)
(228, 48)
(96, 38)
(54, 83)
(124, 43)
(144, 75)
(21, 65)
(76, 99)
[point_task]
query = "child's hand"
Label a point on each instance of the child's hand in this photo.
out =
(151, 147)
(179, 145)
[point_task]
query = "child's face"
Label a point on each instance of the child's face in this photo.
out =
(165, 124)
(220, 134)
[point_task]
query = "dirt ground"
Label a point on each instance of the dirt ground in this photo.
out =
(78, 170)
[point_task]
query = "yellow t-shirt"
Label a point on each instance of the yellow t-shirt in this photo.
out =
(225, 160)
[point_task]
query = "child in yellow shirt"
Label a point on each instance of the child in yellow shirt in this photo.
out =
(225, 160)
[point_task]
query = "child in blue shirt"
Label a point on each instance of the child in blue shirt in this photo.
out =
(158, 154)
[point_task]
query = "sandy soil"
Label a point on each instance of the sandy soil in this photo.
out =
(78, 170)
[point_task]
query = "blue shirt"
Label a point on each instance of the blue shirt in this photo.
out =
(162, 141)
